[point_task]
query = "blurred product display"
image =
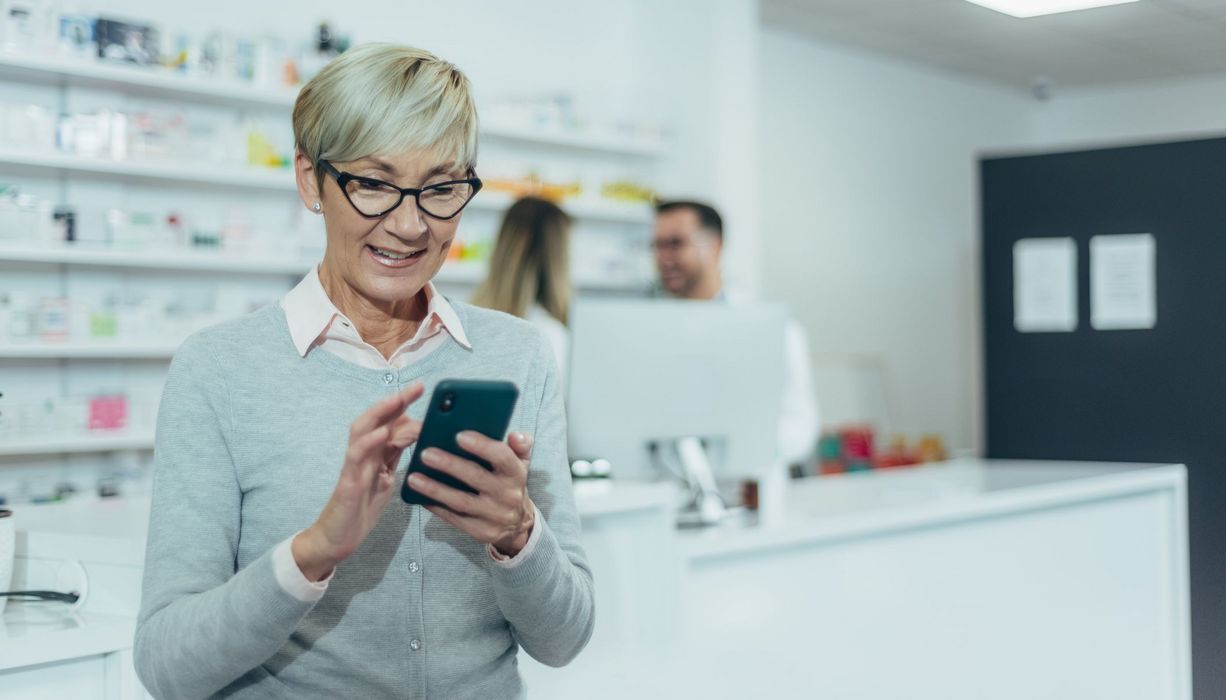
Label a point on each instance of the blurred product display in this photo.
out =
(147, 136)
(122, 316)
(29, 221)
(29, 218)
(531, 185)
(852, 449)
(562, 113)
(477, 250)
(68, 417)
(626, 191)
(36, 28)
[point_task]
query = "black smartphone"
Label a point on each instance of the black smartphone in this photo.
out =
(458, 405)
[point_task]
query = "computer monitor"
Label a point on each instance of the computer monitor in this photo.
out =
(653, 378)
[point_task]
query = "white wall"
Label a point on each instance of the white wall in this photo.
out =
(870, 217)
(869, 199)
(1138, 112)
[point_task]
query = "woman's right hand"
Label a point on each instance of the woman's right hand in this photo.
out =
(377, 439)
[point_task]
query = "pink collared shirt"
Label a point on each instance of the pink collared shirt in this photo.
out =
(316, 324)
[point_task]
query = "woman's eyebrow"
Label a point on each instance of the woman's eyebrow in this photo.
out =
(387, 167)
(443, 169)
(375, 163)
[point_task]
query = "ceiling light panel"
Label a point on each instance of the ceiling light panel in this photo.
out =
(1034, 8)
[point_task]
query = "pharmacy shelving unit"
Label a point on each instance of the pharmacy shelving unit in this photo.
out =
(140, 81)
(98, 350)
(453, 272)
(119, 441)
(266, 178)
(145, 82)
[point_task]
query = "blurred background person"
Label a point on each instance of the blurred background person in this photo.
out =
(687, 241)
(529, 273)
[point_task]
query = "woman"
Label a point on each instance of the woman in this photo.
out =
(530, 270)
(279, 563)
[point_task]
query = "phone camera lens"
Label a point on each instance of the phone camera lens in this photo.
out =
(447, 403)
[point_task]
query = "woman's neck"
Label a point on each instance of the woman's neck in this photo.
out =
(385, 325)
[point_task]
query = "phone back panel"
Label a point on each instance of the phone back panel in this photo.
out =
(482, 406)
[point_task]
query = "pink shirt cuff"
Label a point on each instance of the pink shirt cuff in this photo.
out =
(506, 562)
(291, 578)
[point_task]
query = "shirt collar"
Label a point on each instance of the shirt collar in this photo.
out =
(309, 312)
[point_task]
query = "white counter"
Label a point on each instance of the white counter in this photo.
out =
(966, 580)
(963, 581)
(32, 634)
(56, 650)
(48, 650)
(863, 504)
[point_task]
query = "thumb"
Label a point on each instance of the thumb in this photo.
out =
(521, 444)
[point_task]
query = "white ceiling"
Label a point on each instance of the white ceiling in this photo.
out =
(1145, 40)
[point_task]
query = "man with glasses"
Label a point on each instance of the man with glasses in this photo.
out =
(687, 242)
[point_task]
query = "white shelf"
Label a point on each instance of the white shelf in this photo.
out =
(452, 272)
(144, 80)
(472, 273)
(461, 272)
(581, 208)
(618, 145)
(243, 176)
(88, 351)
(162, 83)
(157, 260)
(71, 444)
(279, 180)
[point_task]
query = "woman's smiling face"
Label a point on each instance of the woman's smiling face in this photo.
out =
(388, 258)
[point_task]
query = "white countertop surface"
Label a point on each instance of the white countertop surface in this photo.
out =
(39, 633)
(819, 510)
(605, 497)
(847, 506)
(112, 531)
(813, 509)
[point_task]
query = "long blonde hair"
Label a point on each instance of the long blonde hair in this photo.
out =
(530, 262)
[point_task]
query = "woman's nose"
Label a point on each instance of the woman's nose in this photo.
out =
(407, 219)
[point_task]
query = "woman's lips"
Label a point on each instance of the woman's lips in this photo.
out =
(386, 261)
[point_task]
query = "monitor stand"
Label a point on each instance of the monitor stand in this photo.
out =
(704, 506)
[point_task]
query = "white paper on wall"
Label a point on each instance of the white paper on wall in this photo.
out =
(1045, 285)
(1123, 284)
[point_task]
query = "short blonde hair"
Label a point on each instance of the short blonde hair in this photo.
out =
(382, 99)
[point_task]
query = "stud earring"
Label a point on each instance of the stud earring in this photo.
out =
(315, 207)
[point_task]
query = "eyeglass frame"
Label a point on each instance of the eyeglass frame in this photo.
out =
(343, 178)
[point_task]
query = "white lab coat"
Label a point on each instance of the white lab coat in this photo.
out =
(799, 419)
(557, 335)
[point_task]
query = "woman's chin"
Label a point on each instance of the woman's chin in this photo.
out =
(393, 290)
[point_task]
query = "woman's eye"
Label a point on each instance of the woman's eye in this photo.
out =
(371, 185)
(442, 190)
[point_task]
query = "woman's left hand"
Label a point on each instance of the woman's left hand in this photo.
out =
(500, 513)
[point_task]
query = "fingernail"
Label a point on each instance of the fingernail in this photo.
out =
(465, 438)
(414, 480)
(430, 455)
(521, 437)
